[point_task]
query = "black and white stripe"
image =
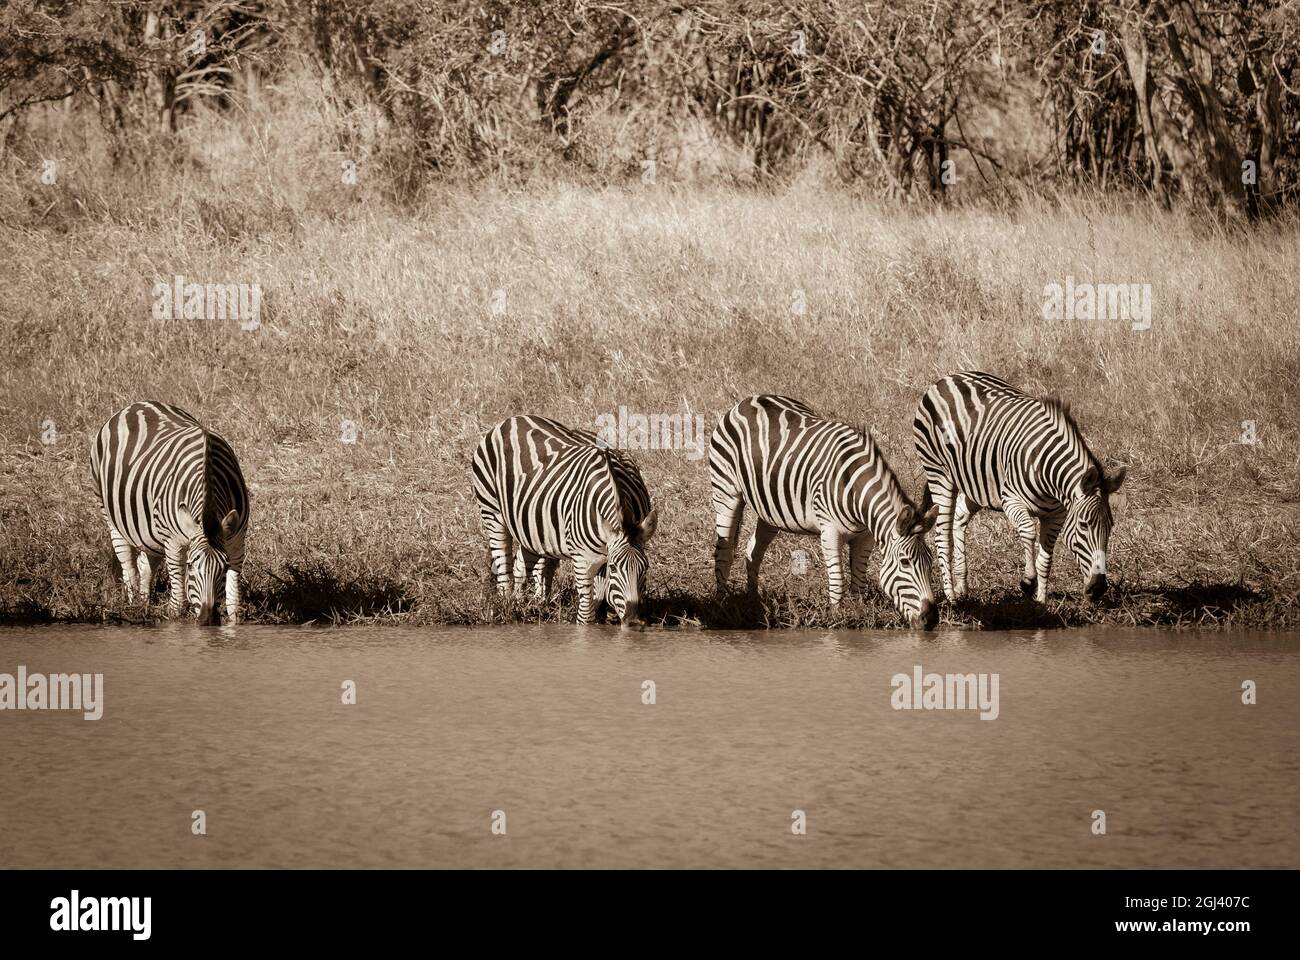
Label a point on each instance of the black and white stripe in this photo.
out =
(555, 492)
(804, 474)
(169, 488)
(985, 444)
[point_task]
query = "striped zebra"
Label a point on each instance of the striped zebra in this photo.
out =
(804, 474)
(984, 444)
(557, 492)
(168, 487)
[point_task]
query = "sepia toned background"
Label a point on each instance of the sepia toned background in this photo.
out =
(458, 212)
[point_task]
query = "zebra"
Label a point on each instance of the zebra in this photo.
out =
(547, 437)
(168, 487)
(559, 492)
(985, 444)
(805, 474)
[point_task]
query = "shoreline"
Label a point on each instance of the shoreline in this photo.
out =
(1202, 607)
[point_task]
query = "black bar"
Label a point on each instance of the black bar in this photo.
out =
(924, 909)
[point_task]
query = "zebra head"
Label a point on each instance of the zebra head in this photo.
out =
(1087, 526)
(206, 567)
(621, 581)
(905, 566)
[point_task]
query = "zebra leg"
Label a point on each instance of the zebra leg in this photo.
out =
(144, 575)
(860, 548)
(1027, 529)
(961, 514)
(126, 559)
(944, 495)
(545, 573)
(1049, 527)
(584, 569)
(528, 566)
(729, 509)
(522, 565)
(176, 550)
(234, 579)
(832, 542)
(234, 598)
(500, 549)
(759, 541)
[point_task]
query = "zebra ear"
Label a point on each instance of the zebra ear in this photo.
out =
(1091, 479)
(228, 524)
(906, 518)
(1115, 480)
(927, 520)
(646, 528)
(189, 526)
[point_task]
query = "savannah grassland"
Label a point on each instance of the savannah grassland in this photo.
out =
(661, 298)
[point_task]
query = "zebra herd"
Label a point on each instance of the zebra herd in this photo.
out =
(546, 492)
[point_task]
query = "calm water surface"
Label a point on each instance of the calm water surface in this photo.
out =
(548, 725)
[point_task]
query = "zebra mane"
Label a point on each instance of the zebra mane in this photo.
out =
(607, 455)
(208, 518)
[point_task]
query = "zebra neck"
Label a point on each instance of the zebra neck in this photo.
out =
(1064, 458)
(1065, 482)
(609, 500)
(194, 503)
(882, 521)
(876, 496)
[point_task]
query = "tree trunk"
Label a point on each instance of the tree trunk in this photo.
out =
(1193, 51)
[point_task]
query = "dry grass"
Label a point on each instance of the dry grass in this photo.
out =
(658, 299)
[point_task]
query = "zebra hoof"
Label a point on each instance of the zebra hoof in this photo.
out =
(1028, 587)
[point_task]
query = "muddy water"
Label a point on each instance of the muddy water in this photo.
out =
(545, 732)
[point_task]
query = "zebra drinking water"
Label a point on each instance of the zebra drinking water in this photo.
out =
(983, 443)
(168, 487)
(804, 474)
(557, 492)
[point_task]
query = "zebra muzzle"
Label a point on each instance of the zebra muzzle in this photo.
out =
(928, 618)
(1095, 587)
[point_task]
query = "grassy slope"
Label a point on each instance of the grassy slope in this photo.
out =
(660, 300)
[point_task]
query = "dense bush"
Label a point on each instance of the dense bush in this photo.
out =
(1190, 100)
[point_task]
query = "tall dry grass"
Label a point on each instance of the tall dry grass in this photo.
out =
(425, 322)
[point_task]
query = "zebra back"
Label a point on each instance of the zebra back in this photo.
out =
(796, 469)
(518, 448)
